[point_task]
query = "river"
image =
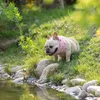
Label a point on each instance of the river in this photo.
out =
(9, 91)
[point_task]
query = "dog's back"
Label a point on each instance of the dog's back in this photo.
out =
(74, 45)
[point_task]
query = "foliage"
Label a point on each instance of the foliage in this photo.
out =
(10, 20)
(11, 12)
(13, 56)
(28, 97)
(87, 13)
(54, 3)
(31, 64)
(56, 78)
(34, 50)
(65, 22)
(33, 42)
(48, 2)
(89, 60)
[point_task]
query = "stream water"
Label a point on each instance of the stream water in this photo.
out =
(9, 91)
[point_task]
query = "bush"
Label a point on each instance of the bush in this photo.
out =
(34, 49)
(10, 20)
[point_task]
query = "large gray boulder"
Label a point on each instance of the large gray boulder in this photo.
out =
(97, 93)
(42, 65)
(94, 90)
(90, 83)
(50, 69)
(82, 95)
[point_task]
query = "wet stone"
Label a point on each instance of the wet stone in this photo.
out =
(90, 83)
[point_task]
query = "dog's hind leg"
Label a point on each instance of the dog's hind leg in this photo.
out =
(68, 55)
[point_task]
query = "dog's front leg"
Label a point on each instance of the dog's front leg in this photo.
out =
(56, 58)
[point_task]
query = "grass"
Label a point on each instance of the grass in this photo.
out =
(38, 23)
(12, 57)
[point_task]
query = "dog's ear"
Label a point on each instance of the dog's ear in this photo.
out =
(55, 36)
(48, 37)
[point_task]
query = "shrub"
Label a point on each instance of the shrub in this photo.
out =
(10, 20)
(34, 49)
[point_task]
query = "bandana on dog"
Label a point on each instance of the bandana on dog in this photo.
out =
(62, 45)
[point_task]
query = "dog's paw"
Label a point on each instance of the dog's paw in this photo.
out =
(67, 60)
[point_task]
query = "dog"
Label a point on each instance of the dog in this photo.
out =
(61, 47)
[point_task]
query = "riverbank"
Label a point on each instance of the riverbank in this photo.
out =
(77, 88)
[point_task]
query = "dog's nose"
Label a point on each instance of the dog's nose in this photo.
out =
(47, 50)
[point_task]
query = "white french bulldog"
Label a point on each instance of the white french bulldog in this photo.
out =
(61, 47)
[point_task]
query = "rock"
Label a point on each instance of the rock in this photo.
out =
(82, 95)
(53, 87)
(90, 83)
(0, 65)
(61, 88)
(97, 93)
(77, 81)
(98, 98)
(3, 74)
(31, 80)
(42, 65)
(73, 90)
(15, 69)
(18, 80)
(65, 81)
(2, 71)
(48, 70)
(44, 85)
(90, 98)
(41, 80)
(93, 89)
(90, 95)
(19, 73)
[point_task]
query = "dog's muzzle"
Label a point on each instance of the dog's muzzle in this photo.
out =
(51, 53)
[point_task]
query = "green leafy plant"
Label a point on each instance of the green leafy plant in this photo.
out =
(56, 78)
(10, 19)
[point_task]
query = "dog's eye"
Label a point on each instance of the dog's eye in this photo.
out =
(51, 46)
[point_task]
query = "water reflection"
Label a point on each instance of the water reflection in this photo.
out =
(10, 91)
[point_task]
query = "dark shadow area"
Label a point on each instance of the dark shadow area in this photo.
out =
(41, 16)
